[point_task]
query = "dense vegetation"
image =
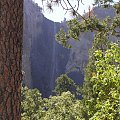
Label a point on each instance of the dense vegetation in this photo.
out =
(101, 95)
(101, 88)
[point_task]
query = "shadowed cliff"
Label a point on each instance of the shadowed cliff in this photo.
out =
(43, 58)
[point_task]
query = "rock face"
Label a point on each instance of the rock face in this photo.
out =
(48, 57)
(43, 58)
(30, 30)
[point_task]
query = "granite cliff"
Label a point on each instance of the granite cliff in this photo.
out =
(43, 58)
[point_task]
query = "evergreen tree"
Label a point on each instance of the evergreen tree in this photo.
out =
(64, 84)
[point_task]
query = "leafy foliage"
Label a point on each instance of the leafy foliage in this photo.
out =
(63, 107)
(32, 104)
(102, 98)
(64, 84)
(106, 27)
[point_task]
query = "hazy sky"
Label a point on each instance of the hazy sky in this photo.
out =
(58, 14)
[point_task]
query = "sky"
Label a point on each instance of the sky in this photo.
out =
(58, 14)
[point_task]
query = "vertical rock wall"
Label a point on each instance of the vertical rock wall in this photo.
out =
(43, 58)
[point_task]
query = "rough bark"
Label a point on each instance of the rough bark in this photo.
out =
(11, 27)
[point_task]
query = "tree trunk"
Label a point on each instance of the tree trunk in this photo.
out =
(11, 27)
